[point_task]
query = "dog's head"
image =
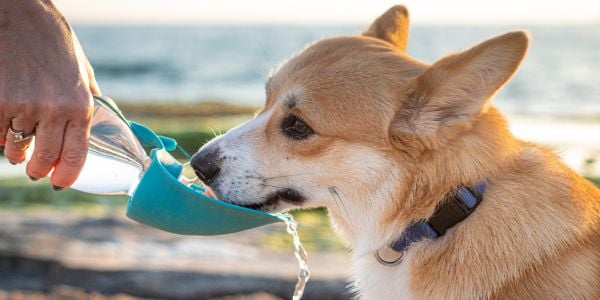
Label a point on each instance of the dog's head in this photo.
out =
(347, 121)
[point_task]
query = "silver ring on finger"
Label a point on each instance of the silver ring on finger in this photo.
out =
(19, 135)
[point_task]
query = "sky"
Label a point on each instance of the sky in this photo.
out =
(328, 11)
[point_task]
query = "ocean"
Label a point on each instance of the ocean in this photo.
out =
(560, 76)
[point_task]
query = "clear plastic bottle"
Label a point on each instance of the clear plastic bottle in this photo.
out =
(116, 160)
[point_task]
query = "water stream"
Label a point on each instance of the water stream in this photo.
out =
(304, 273)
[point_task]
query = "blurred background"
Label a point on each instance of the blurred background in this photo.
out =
(191, 69)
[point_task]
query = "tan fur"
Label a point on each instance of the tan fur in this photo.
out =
(392, 137)
(392, 27)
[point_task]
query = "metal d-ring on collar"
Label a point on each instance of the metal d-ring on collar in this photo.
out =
(454, 209)
(392, 262)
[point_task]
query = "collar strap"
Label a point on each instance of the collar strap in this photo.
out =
(454, 208)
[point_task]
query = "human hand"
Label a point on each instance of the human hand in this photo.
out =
(46, 87)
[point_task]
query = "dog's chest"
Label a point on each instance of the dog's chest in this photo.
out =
(376, 281)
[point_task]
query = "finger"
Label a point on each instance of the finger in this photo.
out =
(94, 88)
(48, 144)
(91, 78)
(73, 154)
(14, 149)
(3, 132)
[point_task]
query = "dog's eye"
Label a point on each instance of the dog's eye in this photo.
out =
(296, 128)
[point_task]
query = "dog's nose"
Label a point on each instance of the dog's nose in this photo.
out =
(206, 164)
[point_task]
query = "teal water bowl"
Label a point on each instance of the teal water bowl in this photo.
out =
(162, 201)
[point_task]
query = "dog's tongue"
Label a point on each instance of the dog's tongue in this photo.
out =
(208, 192)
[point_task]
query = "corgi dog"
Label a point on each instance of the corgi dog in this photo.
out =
(417, 169)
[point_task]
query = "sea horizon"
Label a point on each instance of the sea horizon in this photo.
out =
(229, 62)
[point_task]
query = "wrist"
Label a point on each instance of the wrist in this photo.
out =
(25, 5)
(27, 12)
(30, 18)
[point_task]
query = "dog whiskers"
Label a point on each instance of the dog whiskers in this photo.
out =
(283, 176)
(215, 134)
(339, 201)
(273, 186)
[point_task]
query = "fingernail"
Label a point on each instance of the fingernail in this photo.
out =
(57, 188)
(33, 178)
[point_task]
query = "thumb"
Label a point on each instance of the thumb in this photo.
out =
(84, 65)
(94, 88)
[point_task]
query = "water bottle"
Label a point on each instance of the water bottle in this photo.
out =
(116, 160)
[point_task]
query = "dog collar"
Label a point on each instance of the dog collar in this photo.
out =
(454, 208)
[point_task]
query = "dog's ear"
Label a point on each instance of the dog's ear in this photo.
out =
(392, 27)
(443, 101)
